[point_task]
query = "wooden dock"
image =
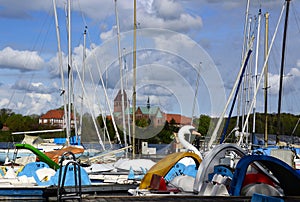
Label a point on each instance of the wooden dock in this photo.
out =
(113, 193)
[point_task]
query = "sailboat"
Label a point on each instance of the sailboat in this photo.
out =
(287, 153)
(228, 170)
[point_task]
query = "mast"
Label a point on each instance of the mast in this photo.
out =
(61, 67)
(263, 69)
(134, 80)
(121, 76)
(246, 82)
(281, 68)
(83, 69)
(69, 75)
(236, 84)
(243, 52)
(128, 102)
(255, 70)
(266, 78)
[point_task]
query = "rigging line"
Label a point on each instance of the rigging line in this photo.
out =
(106, 97)
(60, 62)
(102, 112)
(242, 55)
(98, 101)
(89, 106)
(148, 62)
(41, 31)
(33, 48)
(38, 100)
(246, 91)
(142, 42)
(296, 126)
(26, 89)
(14, 92)
(98, 104)
(120, 55)
(263, 69)
(196, 93)
(245, 63)
(213, 137)
(82, 14)
(46, 38)
(295, 15)
(105, 91)
(126, 88)
(256, 68)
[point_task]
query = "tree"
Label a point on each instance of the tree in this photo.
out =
(143, 122)
(17, 123)
(203, 126)
(165, 136)
(4, 114)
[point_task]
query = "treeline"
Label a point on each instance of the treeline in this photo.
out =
(288, 124)
(12, 122)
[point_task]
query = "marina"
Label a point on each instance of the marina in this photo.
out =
(116, 134)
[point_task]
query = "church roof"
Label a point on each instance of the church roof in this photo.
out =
(150, 111)
(119, 96)
(147, 111)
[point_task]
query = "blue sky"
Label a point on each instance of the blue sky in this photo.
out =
(174, 37)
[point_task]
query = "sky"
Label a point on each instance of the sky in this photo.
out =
(189, 54)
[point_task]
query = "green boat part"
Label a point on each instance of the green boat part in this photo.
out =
(43, 157)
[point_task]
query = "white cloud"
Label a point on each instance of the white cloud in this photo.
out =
(106, 35)
(4, 102)
(298, 63)
(32, 87)
(21, 60)
(289, 81)
(39, 103)
(166, 14)
(295, 72)
(167, 9)
(180, 16)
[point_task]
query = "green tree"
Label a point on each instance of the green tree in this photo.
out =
(203, 126)
(143, 122)
(4, 114)
(165, 136)
(15, 122)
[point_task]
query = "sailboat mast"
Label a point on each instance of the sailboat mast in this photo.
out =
(255, 71)
(121, 76)
(240, 96)
(83, 75)
(266, 78)
(69, 74)
(60, 65)
(134, 80)
(281, 68)
(128, 102)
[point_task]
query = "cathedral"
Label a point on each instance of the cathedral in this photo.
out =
(152, 113)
